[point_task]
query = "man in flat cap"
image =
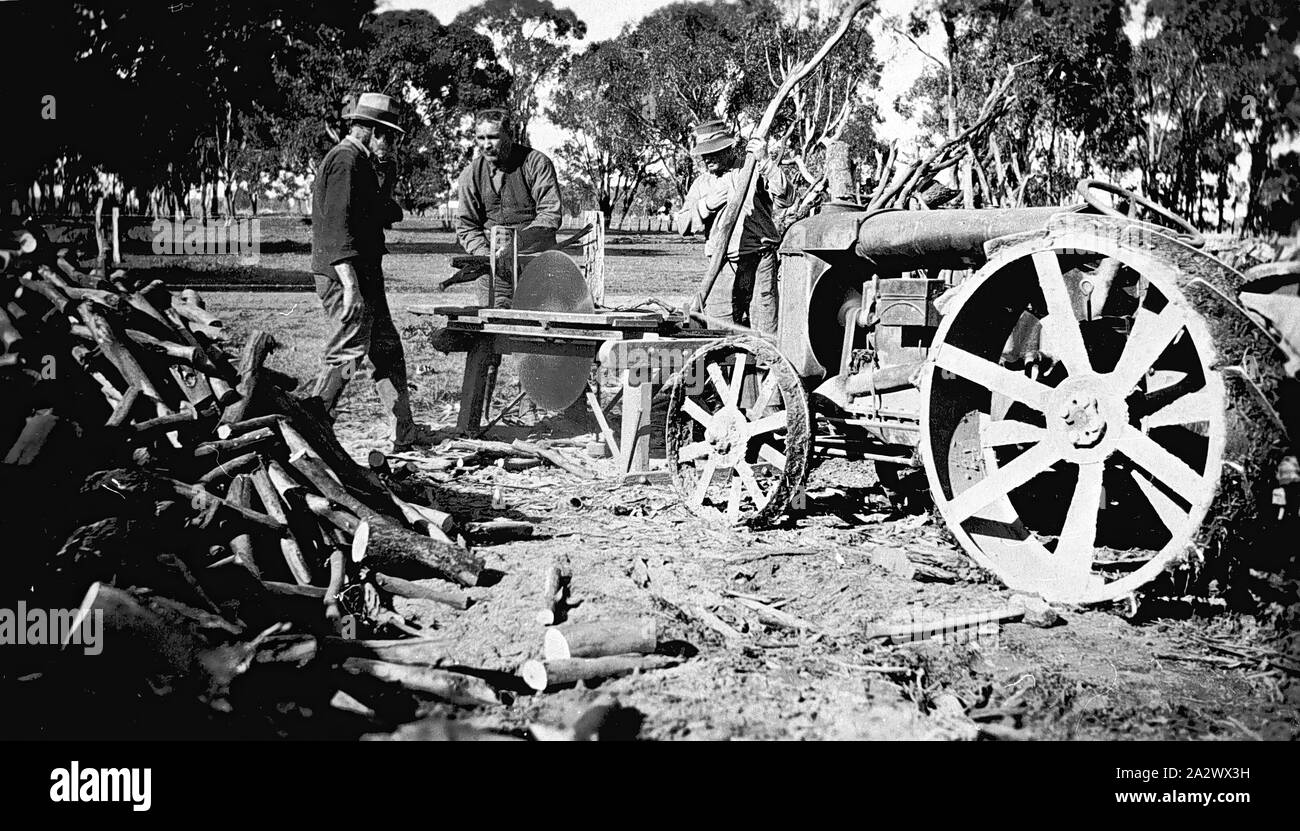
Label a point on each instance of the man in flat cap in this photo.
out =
(349, 213)
(510, 185)
(746, 288)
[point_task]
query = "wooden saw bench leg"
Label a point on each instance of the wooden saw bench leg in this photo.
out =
(473, 388)
(635, 439)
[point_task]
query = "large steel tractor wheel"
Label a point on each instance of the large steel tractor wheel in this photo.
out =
(1074, 417)
(738, 433)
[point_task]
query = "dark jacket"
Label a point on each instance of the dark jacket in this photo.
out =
(348, 209)
(529, 196)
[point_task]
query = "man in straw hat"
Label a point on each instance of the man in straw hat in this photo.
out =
(511, 185)
(746, 289)
(349, 213)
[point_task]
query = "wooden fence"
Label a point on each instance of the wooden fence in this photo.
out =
(651, 224)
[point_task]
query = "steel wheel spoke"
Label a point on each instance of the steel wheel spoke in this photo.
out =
(706, 479)
(1189, 409)
(1002, 481)
(1147, 342)
(1074, 548)
(999, 433)
(747, 476)
(697, 412)
(766, 389)
(1163, 466)
(1061, 324)
(772, 456)
(719, 383)
(693, 451)
(1173, 517)
(733, 501)
(737, 378)
(993, 377)
(767, 424)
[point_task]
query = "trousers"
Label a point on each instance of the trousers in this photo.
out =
(746, 292)
(371, 334)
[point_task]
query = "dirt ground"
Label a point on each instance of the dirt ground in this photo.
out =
(1176, 670)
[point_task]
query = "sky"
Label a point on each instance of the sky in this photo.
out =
(606, 18)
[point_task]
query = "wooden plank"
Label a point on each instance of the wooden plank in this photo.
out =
(445, 311)
(628, 320)
(523, 331)
(529, 346)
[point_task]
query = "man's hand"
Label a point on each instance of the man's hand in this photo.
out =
(352, 302)
(757, 148)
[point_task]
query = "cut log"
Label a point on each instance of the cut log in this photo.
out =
(323, 508)
(290, 546)
(241, 545)
(416, 591)
(248, 425)
(414, 651)
(553, 457)
(544, 675)
(192, 355)
(556, 592)
(337, 565)
(200, 318)
(230, 468)
(165, 423)
(441, 520)
(258, 346)
(389, 548)
(113, 348)
(57, 297)
(304, 432)
(122, 412)
(521, 464)
(499, 530)
(224, 393)
(452, 687)
(259, 440)
(601, 637)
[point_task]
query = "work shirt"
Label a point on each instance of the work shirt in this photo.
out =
(755, 230)
(519, 191)
(347, 208)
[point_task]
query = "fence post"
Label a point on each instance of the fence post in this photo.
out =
(117, 254)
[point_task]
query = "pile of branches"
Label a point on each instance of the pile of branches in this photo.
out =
(183, 495)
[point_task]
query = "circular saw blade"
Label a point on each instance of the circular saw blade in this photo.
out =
(552, 282)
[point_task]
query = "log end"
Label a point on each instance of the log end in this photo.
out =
(360, 539)
(534, 675)
(555, 646)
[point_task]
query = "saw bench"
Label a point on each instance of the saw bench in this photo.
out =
(643, 348)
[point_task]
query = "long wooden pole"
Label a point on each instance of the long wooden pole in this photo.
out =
(727, 222)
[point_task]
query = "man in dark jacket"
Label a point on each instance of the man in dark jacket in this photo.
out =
(507, 185)
(349, 213)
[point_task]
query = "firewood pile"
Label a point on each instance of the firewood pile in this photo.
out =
(178, 491)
